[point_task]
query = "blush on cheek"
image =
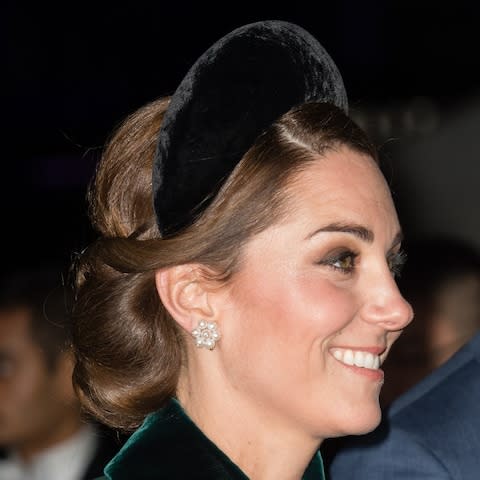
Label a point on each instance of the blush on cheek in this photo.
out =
(330, 307)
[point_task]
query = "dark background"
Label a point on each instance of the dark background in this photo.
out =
(75, 69)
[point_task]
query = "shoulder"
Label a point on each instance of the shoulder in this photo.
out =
(385, 454)
(433, 431)
(169, 445)
(463, 366)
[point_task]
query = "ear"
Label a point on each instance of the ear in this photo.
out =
(185, 292)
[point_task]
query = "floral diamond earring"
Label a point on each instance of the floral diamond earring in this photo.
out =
(206, 334)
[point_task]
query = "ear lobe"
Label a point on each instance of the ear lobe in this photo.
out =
(184, 294)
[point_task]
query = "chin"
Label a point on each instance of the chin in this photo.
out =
(367, 422)
(361, 421)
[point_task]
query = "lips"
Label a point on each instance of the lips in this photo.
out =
(357, 358)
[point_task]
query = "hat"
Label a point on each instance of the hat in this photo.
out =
(232, 93)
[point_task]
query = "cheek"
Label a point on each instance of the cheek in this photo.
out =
(289, 311)
(23, 392)
(330, 307)
(19, 405)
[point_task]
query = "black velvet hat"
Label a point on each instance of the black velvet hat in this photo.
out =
(232, 93)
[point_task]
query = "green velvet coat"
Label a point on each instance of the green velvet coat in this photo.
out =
(170, 446)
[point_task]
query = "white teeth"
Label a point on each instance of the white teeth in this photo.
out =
(357, 358)
(348, 357)
(369, 360)
(338, 355)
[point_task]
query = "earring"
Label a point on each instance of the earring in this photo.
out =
(206, 334)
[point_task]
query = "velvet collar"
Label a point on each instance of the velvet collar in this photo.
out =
(170, 446)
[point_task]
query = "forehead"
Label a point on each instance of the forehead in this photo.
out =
(15, 328)
(343, 183)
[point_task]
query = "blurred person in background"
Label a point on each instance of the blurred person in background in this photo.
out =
(441, 280)
(42, 433)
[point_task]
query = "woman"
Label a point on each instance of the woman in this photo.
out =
(251, 305)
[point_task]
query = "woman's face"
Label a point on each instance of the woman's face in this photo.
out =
(314, 307)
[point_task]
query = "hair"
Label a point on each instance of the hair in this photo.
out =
(128, 348)
(42, 293)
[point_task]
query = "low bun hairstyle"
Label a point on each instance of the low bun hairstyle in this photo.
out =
(128, 348)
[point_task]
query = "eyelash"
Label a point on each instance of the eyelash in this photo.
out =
(395, 261)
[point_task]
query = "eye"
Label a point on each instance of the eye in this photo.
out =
(343, 261)
(396, 261)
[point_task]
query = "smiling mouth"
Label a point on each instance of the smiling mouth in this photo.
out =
(357, 358)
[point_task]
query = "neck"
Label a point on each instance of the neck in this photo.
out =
(262, 444)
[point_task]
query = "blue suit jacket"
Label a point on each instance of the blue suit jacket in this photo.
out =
(430, 432)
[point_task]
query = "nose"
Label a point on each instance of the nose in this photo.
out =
(386, 306)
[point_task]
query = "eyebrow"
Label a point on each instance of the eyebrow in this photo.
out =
(358, 231)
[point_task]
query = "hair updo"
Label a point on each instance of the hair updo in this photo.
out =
(128, 348)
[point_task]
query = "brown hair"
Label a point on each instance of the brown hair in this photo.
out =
(128, 348)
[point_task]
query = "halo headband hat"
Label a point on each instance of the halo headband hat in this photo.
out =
(232, 93)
